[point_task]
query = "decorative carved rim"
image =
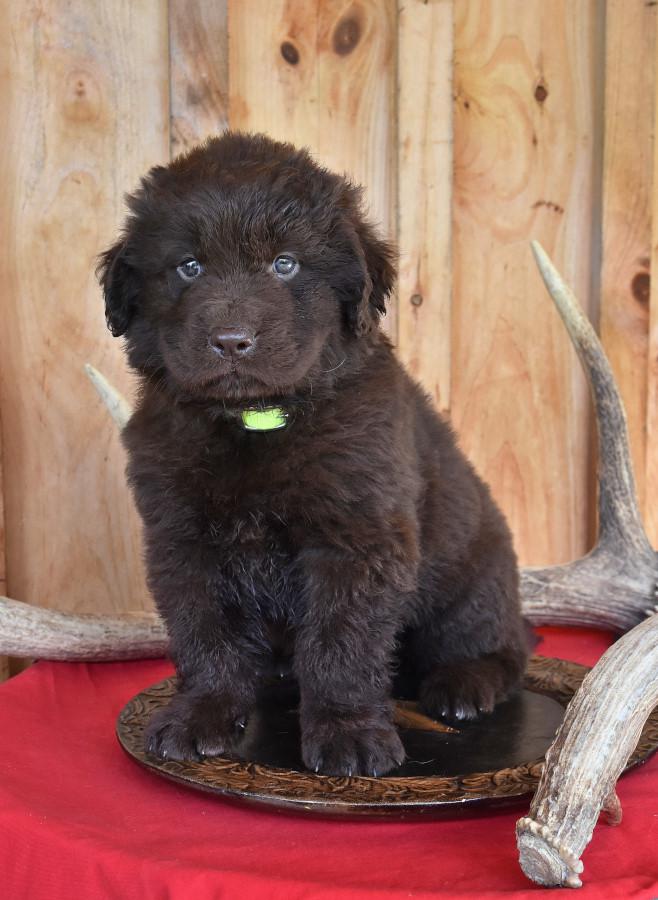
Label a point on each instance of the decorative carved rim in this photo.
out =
(395, 796)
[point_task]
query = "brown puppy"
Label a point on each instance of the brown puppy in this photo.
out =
(354, 534)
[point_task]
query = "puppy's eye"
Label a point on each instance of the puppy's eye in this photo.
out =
(285, 266)
(190, 269)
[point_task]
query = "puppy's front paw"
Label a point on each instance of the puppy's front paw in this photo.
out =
(192, 728)
(467, 689)
(352, 747)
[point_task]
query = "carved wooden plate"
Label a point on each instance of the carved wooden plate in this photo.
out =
(496, 760)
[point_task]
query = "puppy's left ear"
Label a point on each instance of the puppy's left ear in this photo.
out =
(376, 260)
(121, 287)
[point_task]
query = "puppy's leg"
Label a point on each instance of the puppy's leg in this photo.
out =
(219, 655)
(343, 657)
(472, 653)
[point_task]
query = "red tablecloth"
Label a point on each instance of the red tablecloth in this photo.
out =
(79, 820)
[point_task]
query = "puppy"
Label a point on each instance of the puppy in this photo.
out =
(299, 493)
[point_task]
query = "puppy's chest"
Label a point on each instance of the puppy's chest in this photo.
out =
(255, 499)
(252, 544)
(250, 532)
(254, 508)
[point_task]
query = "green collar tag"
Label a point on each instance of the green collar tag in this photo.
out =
(268, 419)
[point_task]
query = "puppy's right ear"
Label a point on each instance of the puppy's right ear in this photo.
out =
(121, 286)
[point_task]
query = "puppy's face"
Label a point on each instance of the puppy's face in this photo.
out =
(245, 272)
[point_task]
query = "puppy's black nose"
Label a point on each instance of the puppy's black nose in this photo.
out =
(231, 343)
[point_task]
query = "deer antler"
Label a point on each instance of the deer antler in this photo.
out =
(615, 585)
(601, 729)
(27, 630)
(117, 405)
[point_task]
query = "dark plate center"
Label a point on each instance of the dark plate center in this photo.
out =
(518, 731)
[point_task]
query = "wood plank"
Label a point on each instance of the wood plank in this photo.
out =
(85, 89)
(425, 53)
(627, 173)
(526, 120)
(330, 86)
(278, 38)
(198, 51)
(651, 483)
(357, 88)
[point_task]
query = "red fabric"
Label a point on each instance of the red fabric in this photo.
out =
(79, 819)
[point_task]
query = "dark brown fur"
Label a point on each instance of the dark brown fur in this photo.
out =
(358, 538)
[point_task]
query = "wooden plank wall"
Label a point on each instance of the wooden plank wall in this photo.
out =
(198, 72)
(627, 221)
(474, 126)
(651, 436)
(526, 121)
(85, 87)
(425, 185)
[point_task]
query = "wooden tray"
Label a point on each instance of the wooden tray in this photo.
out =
(494, 761)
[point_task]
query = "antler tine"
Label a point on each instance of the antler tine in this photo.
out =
(619, 516)
(116, 403)
(614, 586)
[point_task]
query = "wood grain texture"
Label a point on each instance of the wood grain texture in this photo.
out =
(278, 38)
(322, 75)
(525, 125)
(627, 172)
(425, 52)
(357, 104)
(651, 482)
(198, 77)
(85, 89)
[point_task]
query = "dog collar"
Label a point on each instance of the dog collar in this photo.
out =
(267, 418)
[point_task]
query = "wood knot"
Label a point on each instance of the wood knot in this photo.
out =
(290, 53)
(541, 91)
(554, 207)
(346, 35)
(416, 300)
(82, 100)
(641, 287)
(195, 94)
